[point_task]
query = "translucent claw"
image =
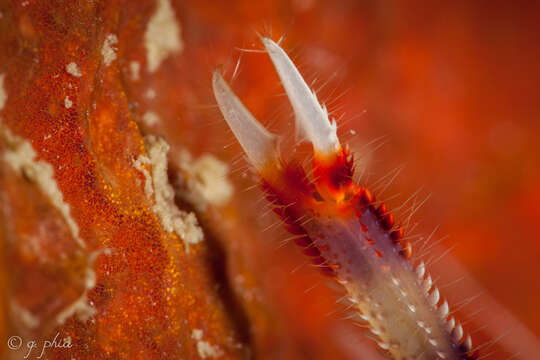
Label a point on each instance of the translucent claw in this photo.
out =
(468, 343)
(311, 118)
(451, 324)
(427, 284)
(457, 333)
(259, 145)
(444, 310)
(434, 297)
(421, 270)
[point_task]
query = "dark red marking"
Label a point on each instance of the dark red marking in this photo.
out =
(290, 194)
(294, 229)
(338, 173)
(366, 197)
(312, 251)
(324, 248)
(304, 241)
(381, 210)
(396, 235)
(326, 271)
(364, 227)
(387, 221)
(287, 199)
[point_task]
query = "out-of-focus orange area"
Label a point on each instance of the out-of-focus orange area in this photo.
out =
(87, 253)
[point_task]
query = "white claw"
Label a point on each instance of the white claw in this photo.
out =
(450, 324)
(468, 343)
(311, 118)
(427, 284)
(443, 309)
(457, 333)
(434, 297)
(383, 346)
(421, 270)
(258, 144)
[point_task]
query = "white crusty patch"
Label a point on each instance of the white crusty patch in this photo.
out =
(172, 219)
(73, 69)
(20, 156)
(205, 349)
(135, 69)
(81, 307)
(3, 95)
(162, 36)
(204, 181)
(108, 51)
(67, 103)
(150, 118)
(148, 187)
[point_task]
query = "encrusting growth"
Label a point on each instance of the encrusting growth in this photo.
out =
(340, 226)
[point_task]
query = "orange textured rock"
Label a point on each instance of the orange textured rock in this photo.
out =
(99, 249)
(88, 255)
